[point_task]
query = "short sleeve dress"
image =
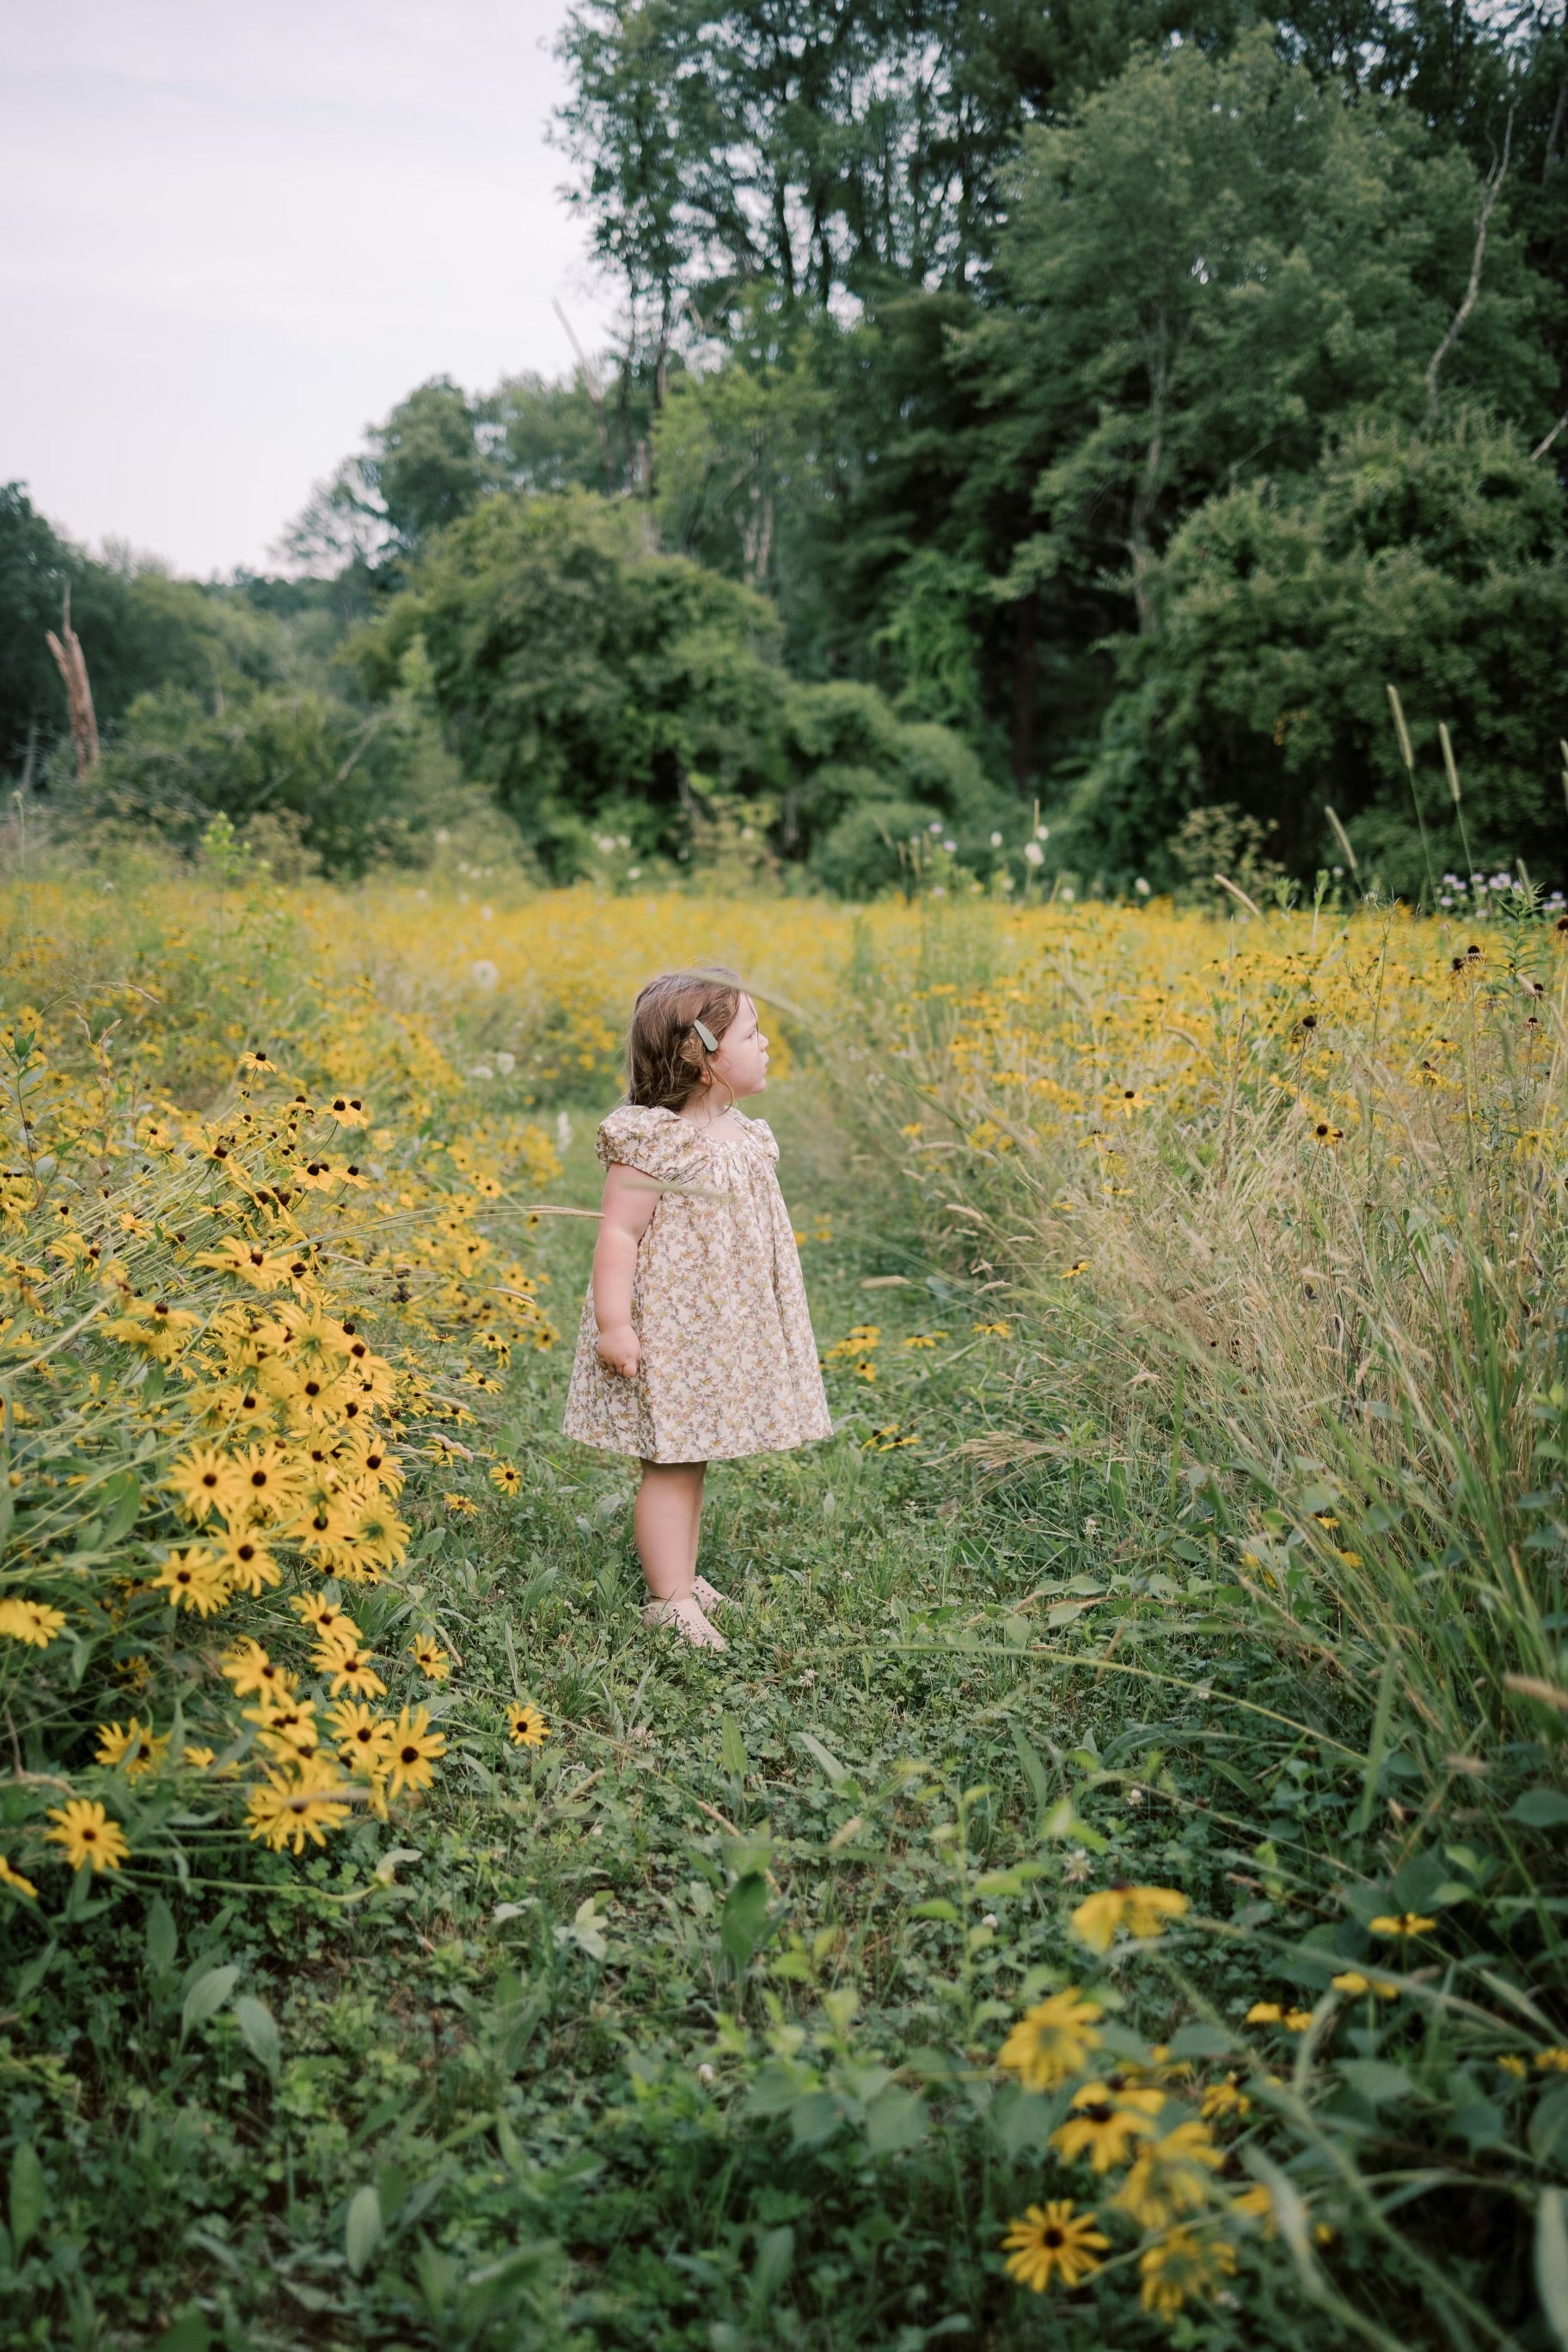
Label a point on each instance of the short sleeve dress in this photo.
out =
(729, 1365)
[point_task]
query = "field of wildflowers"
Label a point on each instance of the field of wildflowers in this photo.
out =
(1106, 1894)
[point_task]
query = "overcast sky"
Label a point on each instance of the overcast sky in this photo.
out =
(234, 232)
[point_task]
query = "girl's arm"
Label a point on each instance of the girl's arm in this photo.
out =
(630, 1199)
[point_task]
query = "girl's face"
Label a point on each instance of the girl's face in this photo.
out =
(741, 1064)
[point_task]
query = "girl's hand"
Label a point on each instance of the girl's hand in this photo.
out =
(620, 1350)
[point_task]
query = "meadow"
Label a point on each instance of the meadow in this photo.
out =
(1106, 1894)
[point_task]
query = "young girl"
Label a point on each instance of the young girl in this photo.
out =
(694, 1344)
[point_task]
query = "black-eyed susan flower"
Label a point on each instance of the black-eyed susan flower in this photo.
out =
(349, 1110)
(87, 1834)
(462, 1503)
(246, 1563)
(1184, 2267)
(17, 1883)
(135, 1745)
(193, 1580)
(430, 1657)
(32, 1623)
(1171, 2176)
(293, 1805)
(205, 1480)
(1226, 2098)
(507, 1476)
(1103, 2125)
(1266, 2012)
(992, 1331)
(1143, 1911)
(1052, 2041)
(413, 1752)
(250, 1668)
(364, 1740)
(1353, 1982)
(1053, 2241)
(526, 1726)
(1553, 2062)
(351, 1669)
(1402, 1923)
(197, 1757)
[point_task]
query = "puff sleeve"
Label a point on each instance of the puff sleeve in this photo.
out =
(657, 1142)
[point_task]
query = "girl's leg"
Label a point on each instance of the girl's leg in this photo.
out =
(667, 1520)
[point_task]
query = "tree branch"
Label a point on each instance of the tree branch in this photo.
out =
(1492, 190)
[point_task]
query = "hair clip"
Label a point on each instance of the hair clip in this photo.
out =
(707, 1035)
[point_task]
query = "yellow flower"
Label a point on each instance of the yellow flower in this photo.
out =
(1183, 2268)
(1296, 2021)
(247, 1563)
(1171, 2178)
(198, 1758)
(135, 1745)
(461, 1503)
(1052, 2041)
(992, 1331)
(349, 1110)
(414, 1748)
(507, 1476)
(193, 1580)
(1512, 2063)
(1257, 2204)
(16, 1882)
(331, 1624)
(32, 1621)
(1353, 1982)
(1053, 2239)
(287, 1808)
(1103, 2124)
(287, 1730)
(88, 1834)
(1553, 2062)
(205, 1480)
(1142, 1910)
(352, 1670)
(1265, 2012)
(430, 1657)
(527, 1726)
(1408, 1923)
(364, 1740)
(1226, 2098)
(248, 1668)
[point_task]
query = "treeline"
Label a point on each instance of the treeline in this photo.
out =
(1095, 408)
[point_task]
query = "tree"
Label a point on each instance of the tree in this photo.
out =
(1431, 557)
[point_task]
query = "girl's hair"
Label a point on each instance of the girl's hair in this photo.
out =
(665, 1055)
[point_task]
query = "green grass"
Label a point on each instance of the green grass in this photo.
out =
(681, 2030)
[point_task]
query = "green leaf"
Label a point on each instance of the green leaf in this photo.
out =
(835, 1770)
(1549, 2126)
(743, 1922)
(936, 1908)
(1374, 2079)
(29, 2196)
(1201, 2042)
(775, 2253)
(259, 2028)
(1035, 1771)
(163, 1936)
(895, 2121)
(814, 2117)
(122, 1496)
(206, 1997)
(362, 2230)
(189, 2333)
(1540, 1808)
(732, 1749)
(1551, 2262)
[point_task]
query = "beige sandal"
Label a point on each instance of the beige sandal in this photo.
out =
(711, 1596)
(685, 1617)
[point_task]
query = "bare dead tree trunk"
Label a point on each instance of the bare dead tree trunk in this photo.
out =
(72, 665)
(592, 387)
(1492, 190)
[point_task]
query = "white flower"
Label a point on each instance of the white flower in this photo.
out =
(1141, 888)
(1034, 854)
(995, 841)
(1067, 897)
(487, 914)
(563, 1131)
(705, 2073)
(1006, 881)
(506, 1064)
(940, 890)
(604, 843)
(484, 973)
(481, 1070)
(935, 826)
(950, 846)
(1042, 832)
(633, 873)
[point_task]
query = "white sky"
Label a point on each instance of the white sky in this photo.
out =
(234, 232)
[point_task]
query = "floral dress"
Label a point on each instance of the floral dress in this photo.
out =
(729, 1365)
